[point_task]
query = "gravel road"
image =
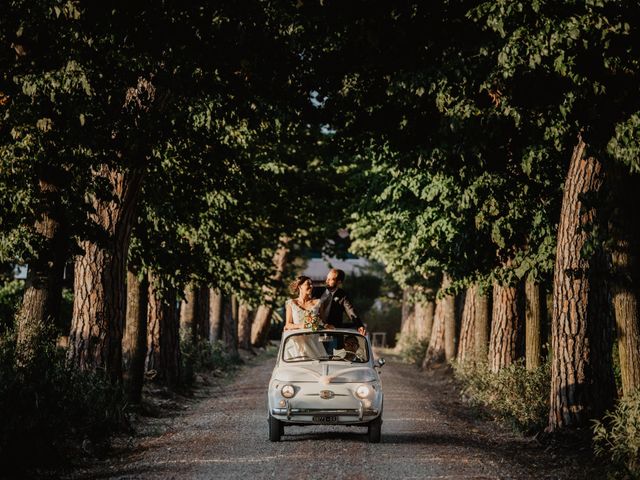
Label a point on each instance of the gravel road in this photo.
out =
(427, 433)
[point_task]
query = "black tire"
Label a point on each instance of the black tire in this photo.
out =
(276, 429)
(374, 430)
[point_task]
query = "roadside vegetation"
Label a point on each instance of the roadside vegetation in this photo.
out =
(164, 165)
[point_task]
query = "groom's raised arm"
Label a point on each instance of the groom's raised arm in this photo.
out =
(350, 310)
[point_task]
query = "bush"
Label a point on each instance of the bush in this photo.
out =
(10, 297)
(411, 349)
(51, 404)
(514, 394)
(617, 436)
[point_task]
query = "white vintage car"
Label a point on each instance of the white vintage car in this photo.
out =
(327, 377)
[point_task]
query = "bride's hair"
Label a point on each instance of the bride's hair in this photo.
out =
(295, 285)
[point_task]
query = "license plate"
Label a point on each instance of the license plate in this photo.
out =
(325, 418)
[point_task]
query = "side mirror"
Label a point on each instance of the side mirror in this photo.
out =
(380, 362)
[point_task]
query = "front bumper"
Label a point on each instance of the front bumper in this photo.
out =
(338, 415)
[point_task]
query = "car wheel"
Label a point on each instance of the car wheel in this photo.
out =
(374, 430)
(276, 429)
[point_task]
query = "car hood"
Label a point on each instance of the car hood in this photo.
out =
(325, 373)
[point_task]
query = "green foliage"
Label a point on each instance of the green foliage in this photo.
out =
(50, 405)
(203, 356)
(617, 435)
(514, 394)
(10, 297)
(411, 349)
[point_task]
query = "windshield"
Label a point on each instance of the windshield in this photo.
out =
(304, 347)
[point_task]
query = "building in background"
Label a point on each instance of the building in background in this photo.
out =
(318, 265)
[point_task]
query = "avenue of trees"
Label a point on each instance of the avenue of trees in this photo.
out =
(177, 155)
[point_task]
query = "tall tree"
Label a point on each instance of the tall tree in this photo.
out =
(533, 325)
(163, 335)
(134, 342)
(575, 387)
(99, 278)
(466, 345)
(505, 344)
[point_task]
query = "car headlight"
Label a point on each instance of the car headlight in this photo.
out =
(288, 391)
(363, 391)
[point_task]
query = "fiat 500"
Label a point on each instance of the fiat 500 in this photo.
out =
(327, 377)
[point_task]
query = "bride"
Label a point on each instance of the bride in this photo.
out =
(303, 309)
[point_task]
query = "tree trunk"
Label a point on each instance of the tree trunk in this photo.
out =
(423, 311)
(163, 337)
(435, 351)
(43, 289)
(428, 308)
(244, 327)
(134, 343)
(576, 379)
(533, 325)
(408, 321)
(466, 345)
(625, 303)
(262, 320)
(215, 315)
(188, 313)
(624, 228)
(260, 326)
(444, 317)
(506, 328)
(449, 321)
(229, 326)
(234, 310)
(482, 323)
(95, 341)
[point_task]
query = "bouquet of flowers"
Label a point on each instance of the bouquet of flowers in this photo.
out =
(312, 321)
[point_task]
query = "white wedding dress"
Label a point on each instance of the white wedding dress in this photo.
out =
(297, 312)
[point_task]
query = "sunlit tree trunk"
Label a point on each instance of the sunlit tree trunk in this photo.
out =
(95, 341)
(43, 288)
(134, 343)
(423, 311)
(435, 351)
(244, 326)
(580, 364)
(262, 320)
(444, 316)
(482, 326)
(506, 328)
(466, 345)
(533, 322)
(428, 311)
(163, 337)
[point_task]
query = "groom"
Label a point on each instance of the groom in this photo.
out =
(337, 303)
